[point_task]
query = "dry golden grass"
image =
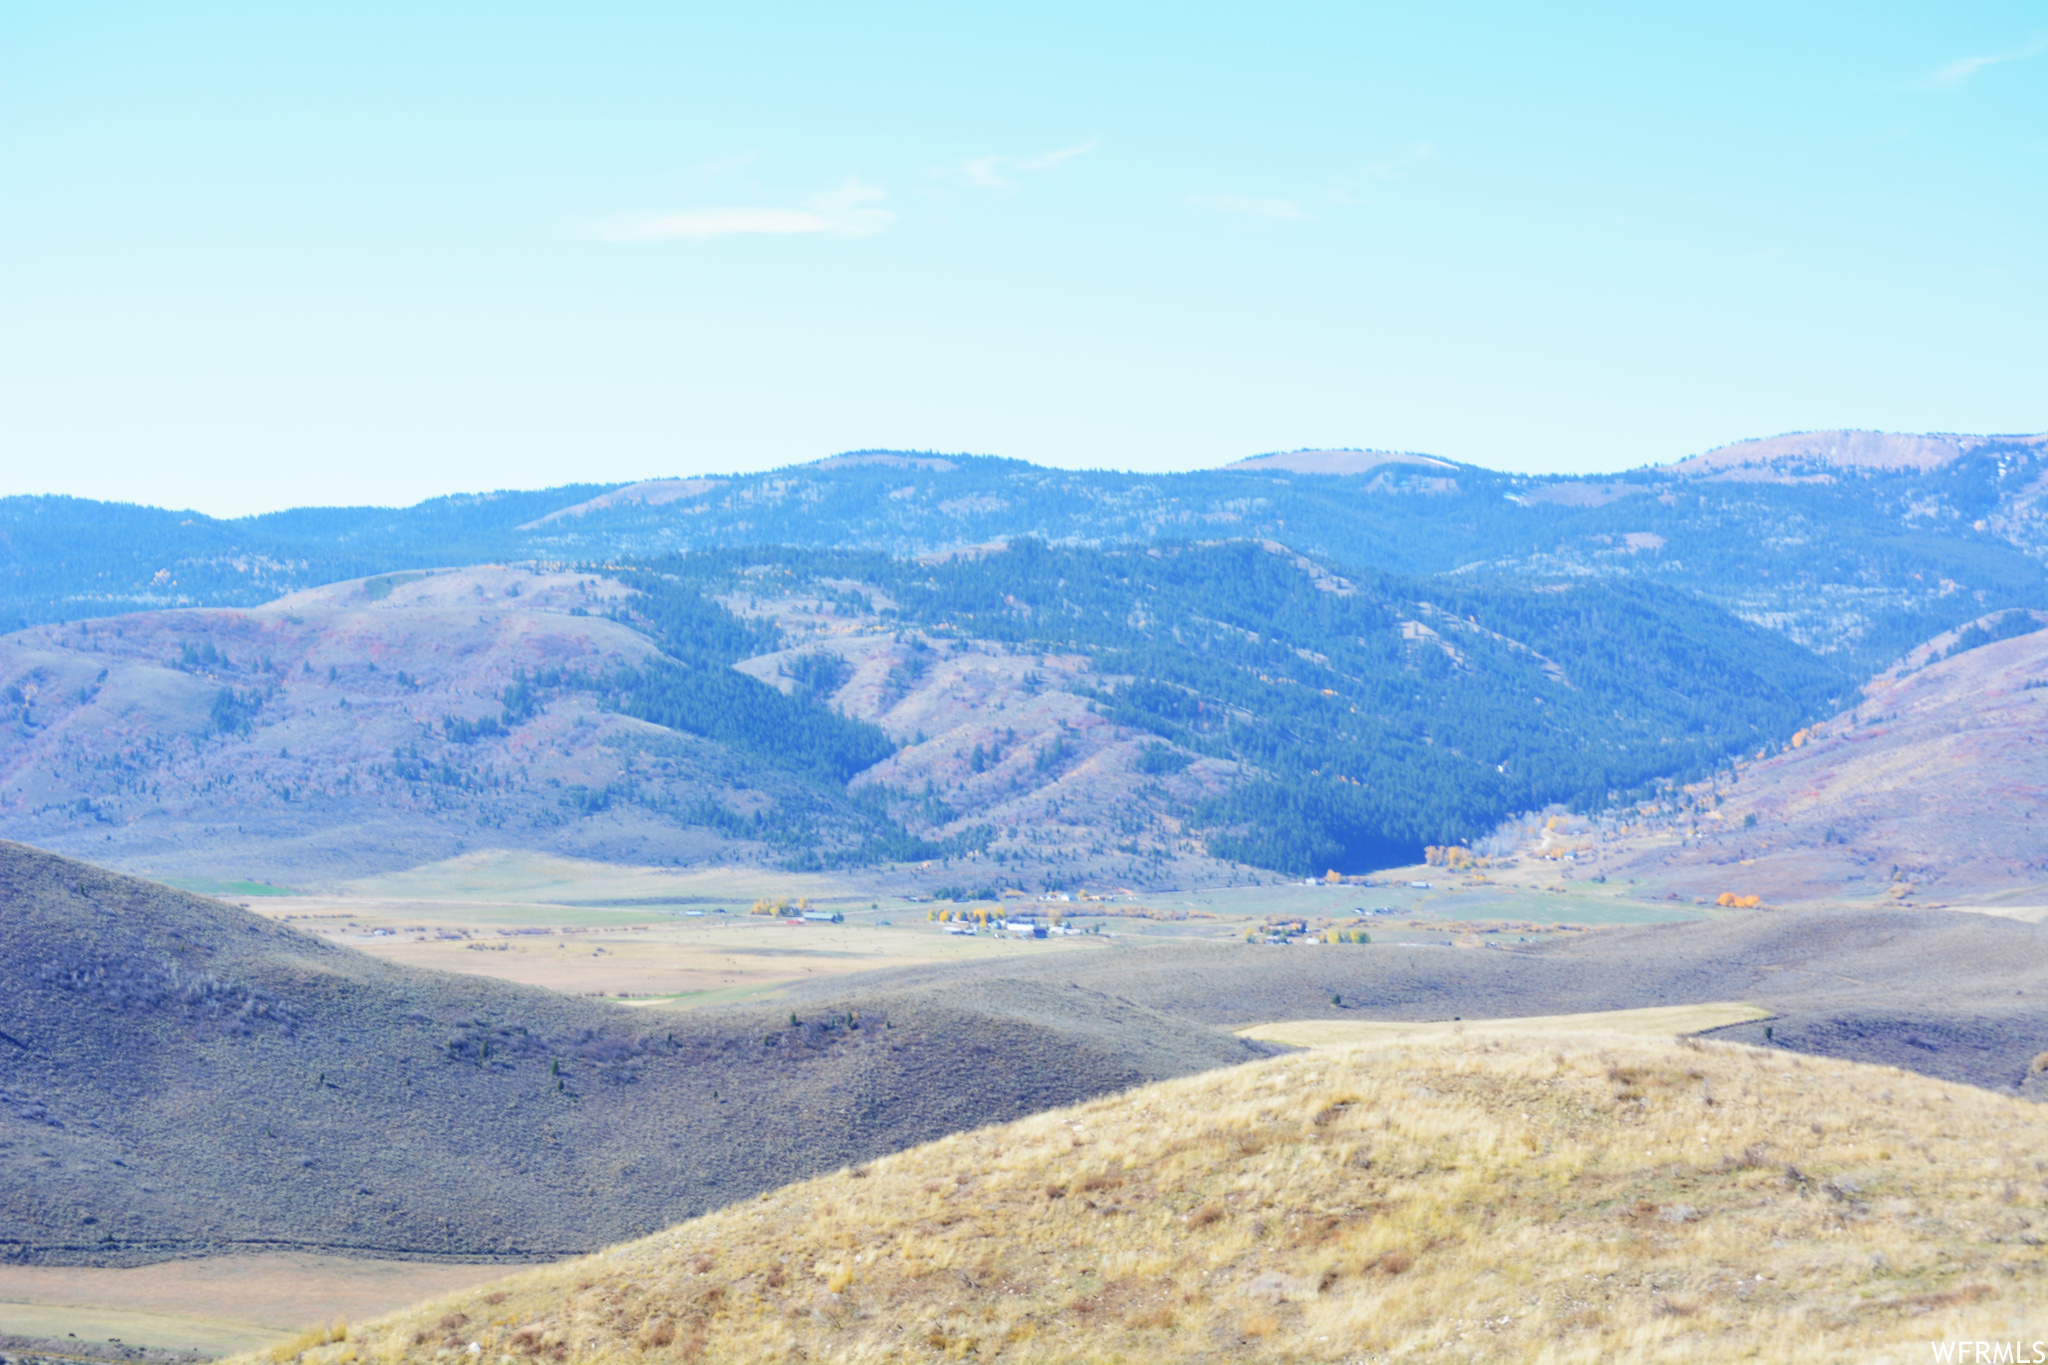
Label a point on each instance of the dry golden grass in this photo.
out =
(1659, 1021)
(1577, 1197)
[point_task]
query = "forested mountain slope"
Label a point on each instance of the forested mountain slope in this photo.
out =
(1246, 701)
(1038, 716)
(1835, 539)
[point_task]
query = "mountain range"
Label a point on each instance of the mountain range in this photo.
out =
(1032, 716)
(1858, 544)
(999, 674)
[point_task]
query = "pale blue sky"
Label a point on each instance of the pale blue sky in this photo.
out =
(262, 255)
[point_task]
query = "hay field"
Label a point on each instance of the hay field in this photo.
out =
(1564, 1197)
(1449, 900)
(643, 957)
(648, 935)
(1662, 1021)
(214, 1305)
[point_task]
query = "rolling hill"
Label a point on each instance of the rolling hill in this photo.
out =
(371, 725)
(1568, 1198)
(179, 1077)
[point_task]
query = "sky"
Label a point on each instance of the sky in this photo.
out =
(257, 256)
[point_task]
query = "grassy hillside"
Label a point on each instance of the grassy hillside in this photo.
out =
(180, 1077)
(1567, 1198)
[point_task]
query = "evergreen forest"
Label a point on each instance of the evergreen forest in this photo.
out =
(1372, 714)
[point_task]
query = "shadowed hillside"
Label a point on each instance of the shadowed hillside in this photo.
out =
(1516, 1197)
(178, 1077)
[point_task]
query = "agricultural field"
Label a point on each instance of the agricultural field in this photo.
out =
(214, 1305)
(685, 937)
(645, 935)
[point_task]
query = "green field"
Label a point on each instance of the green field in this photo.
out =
(539, 878)
(1447, 908)
(210, 886)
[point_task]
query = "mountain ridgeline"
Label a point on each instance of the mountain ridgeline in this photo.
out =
(1857, 545)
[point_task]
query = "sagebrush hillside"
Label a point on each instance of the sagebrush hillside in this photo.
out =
(1932, 790)
(383, 723)
(1563, 1199)
(180, 1077)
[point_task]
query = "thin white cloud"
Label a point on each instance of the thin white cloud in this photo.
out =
(1283, 210)
(1045, 161)
(997, 172)
(1960, 70)
(985, 172)
(844, 212)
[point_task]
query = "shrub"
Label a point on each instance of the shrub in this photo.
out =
(234, 713)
